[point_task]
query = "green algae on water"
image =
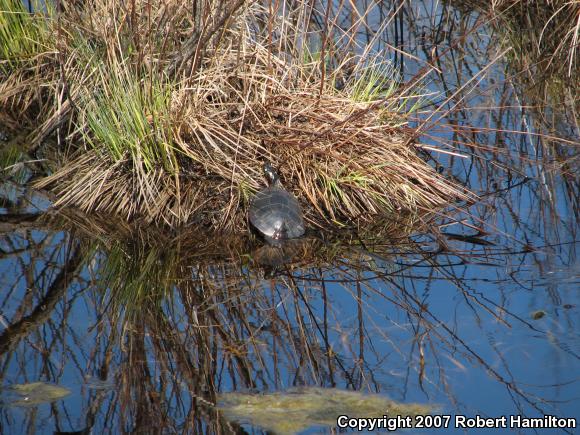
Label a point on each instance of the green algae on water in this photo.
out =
(298, 409)
(32, 394)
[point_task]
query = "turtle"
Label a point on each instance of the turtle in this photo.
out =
(274, 212)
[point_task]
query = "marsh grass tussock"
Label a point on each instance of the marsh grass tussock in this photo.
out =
(166, 114)
(545, 35)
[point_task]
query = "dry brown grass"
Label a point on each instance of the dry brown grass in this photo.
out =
(545, 34)
(177, 129)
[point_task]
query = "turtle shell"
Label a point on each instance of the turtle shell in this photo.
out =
(276, 214)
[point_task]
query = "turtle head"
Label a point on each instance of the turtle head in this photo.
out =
(271, 174)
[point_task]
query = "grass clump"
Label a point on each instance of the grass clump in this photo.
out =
(168, 114)
(545, 35)
(377, 81)
(125, 116)
(22, 35)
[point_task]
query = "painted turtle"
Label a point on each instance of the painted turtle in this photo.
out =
(274, 212)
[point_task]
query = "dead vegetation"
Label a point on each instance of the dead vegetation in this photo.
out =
(165, 114)
(545, 35)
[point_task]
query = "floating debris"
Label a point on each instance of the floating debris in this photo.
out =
(537, 315)
(32, 394)
(298, 409)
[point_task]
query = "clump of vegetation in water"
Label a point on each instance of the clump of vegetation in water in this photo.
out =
(165, 113)
(544, 35)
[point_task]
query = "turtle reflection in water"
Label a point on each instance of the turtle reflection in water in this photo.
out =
(273, 257)
(275, 212)
(286, 252)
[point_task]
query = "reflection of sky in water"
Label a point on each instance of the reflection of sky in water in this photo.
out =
(477, 335)
(539, 356)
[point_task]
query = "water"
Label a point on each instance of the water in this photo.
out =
(476, 313)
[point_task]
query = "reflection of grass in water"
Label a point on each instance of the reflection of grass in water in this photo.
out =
(296, 410)
(176, 346)
(137, 275)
